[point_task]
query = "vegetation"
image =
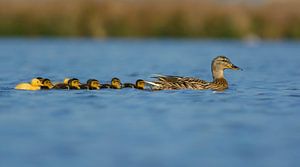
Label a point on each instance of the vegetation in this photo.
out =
(155, 18)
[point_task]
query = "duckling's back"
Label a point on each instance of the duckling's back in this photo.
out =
(27, 86)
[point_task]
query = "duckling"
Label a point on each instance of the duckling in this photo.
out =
(91, 84)
(47, 84)
(139, 84)
(63, 85)
(219, 83)
(115, 84)
(34, 85)
(72, 84)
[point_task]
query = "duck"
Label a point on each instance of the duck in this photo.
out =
(47, 84)
(35, 84)
(63, 85)
(73, 83)
(91, 84)
(219, 83)
(115, 84)
(139, 84)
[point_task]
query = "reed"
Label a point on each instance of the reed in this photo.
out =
(155, 18)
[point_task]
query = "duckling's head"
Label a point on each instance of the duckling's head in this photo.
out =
(66, 80)
(40, 78)
(36, 82)
(93, 84)
(116, 83)
(74, 83)
(140, 84)
(219, 64)
(46, 82)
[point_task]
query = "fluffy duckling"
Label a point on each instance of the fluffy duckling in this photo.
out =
(139, 84)
(219, 83)
(47, 84)
(73, 83)
(63, 85)
(91, 84)
(34, 85)
(115, 84)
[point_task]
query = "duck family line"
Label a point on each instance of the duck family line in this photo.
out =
(161, 82)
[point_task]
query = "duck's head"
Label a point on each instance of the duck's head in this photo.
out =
(93, 84)
(74, 83)
(116, 83)
(140, 84)
(66, 80)
(46, 82)
(36, 82)
(219, 64)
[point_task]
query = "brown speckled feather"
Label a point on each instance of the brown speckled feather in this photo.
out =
(176, 82)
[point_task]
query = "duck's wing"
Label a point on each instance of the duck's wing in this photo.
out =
(168, 82)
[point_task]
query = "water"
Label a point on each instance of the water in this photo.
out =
(253, 123)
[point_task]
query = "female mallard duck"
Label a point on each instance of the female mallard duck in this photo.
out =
(73, 83)
(115, 84)
(91, 84)
(219, 83)
(34, 85)
(139, 84)
(47, 84)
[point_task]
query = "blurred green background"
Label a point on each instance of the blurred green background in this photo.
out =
(264, 19)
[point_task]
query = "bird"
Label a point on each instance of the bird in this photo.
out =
(63, 85)
(219, 83)
(35, 84)
(46, 83)
(73, 83)
(91, 84)
(114, 84)
(139, 84)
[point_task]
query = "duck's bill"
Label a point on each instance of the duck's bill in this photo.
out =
(234, 67)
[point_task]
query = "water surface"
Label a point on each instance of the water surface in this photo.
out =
(253, 123)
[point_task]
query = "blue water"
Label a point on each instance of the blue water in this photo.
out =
(253, 123)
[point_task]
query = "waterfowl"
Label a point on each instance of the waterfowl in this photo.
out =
(73, 83)
(219, 83)
(34, 85)
(46, 84)
(91, 84)
(139, 84)
(63, 85)
(115, 84)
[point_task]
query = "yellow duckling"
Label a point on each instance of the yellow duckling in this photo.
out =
(139, 84)
(219, 83)
(91, 84)
(34, 85)
(115, 84)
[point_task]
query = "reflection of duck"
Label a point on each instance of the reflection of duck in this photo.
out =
(91, 84)
(47, 84)
(115, 84)
(139, 84)
(219, 64)
(72, 84)
(34, 85)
